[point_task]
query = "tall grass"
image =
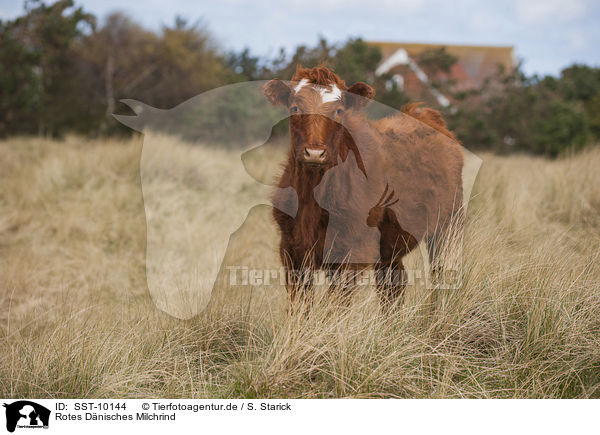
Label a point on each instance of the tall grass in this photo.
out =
(77, 319)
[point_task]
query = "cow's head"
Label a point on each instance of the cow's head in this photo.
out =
(318, 100)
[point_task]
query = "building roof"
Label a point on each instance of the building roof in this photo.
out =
(475, 62)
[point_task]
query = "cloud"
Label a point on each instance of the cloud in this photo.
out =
(10, 10)
(406, 6)
(546, 11)
(482, 20)
(577, 40)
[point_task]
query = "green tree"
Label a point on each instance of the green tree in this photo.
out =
(245, 66)
(119, 60)
(436, 60)
(188, 63)
(580, 83)
(21, 87)
(512, 112)
(45, 88)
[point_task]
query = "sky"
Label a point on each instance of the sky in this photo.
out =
(547, 35)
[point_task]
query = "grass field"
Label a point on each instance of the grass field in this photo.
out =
(77, 318)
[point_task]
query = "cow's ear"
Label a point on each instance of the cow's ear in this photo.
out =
(359, 95)
(277, 92)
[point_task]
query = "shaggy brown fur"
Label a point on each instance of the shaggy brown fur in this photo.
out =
(396, 178)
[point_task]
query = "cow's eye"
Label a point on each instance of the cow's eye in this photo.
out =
(340, 112)
(294, 109)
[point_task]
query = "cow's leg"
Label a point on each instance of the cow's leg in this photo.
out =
(300, 283)
(391, 281)
(434, 246)
(394, 244)
(299, 277)
(342, 283)
(299, 286)
(444, 246)
(389, 271)
(445, 238)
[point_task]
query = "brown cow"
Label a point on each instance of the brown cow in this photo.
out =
(367, 191)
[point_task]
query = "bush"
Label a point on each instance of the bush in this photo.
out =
(514, 113)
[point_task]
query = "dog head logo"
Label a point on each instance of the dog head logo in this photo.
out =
(26, 414)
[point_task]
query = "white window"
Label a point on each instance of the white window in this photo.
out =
(396, 80)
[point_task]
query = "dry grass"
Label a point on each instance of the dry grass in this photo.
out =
(77, 319)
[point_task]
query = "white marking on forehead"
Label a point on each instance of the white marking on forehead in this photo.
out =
(300, 85)
(327, 96)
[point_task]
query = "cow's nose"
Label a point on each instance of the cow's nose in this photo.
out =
(315, 155)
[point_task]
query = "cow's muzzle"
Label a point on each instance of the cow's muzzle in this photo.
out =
(315, 156)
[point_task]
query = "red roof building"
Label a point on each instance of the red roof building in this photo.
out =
(473, 65)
